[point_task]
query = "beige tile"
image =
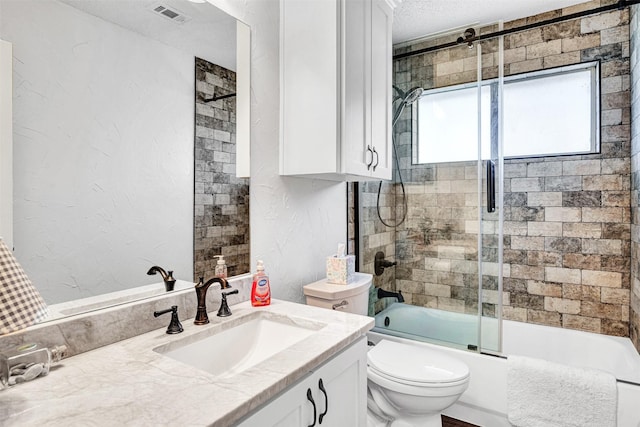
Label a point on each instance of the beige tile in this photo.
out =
(563, 214)
(561, 305)
(563, 275)
(537, 287)
(615, 296)
(607, 279)
(542, 317)
(582, 323)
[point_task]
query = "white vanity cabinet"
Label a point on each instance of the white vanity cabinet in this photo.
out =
(342, 403)
(335, 89)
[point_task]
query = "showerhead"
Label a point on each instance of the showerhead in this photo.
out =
(413, 95)
(408, 98)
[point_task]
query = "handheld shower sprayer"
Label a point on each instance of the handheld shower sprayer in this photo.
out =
(405, 98)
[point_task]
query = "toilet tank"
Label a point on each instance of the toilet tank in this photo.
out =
(352, 298)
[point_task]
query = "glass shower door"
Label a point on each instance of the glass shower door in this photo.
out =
(492, 212)
(433, 219)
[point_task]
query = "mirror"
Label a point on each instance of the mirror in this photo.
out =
(120, 159)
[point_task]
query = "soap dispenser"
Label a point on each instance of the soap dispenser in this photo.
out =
(221, 267)
(260, 289)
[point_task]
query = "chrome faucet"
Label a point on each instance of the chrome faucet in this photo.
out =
(201, 293)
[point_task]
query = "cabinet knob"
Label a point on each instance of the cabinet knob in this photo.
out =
(310, 398)
(377, 159)
(326, 401)
(371, 162)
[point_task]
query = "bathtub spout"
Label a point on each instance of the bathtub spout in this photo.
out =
(385, 294)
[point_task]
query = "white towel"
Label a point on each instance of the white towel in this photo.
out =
(546, 394)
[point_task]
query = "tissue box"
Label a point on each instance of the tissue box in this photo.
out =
(341, 270)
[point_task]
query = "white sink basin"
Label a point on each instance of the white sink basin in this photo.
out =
(226, 350)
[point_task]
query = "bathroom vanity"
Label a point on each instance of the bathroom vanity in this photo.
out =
(143, 381)
(331, 394)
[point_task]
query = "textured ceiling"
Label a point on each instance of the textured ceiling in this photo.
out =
(419, 18)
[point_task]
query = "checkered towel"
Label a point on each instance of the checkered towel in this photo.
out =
(20, 303)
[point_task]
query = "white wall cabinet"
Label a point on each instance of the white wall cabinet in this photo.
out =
(335, 89)
(342, 403)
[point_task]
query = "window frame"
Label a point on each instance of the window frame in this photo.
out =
(592, 66)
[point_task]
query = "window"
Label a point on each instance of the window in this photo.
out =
(546, 113)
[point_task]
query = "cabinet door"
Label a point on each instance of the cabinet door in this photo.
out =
(309, 86)
(344, 380)
(291, 409)
(342, 403)
(381, 68)
(356, 77)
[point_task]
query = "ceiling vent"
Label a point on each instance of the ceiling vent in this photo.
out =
(170, 13)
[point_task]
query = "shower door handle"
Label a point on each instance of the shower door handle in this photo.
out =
(491, 186)
(377, 159)
(371, 162)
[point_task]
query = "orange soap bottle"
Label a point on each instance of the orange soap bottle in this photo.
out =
(260, 290)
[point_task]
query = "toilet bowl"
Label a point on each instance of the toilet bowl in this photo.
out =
(407, 385)
(411, 385)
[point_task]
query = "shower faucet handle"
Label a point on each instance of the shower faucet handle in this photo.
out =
(380, 263)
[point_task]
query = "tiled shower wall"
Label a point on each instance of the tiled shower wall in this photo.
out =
(567, 238)
(376, 237)
(635, 179)
(221, 211)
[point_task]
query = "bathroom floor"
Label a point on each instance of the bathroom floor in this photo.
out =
(452, 422)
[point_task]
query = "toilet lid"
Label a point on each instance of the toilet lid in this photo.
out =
(415, 363)
(330, 291)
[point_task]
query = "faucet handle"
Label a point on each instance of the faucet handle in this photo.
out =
(169, 281)
(175, 327)
(224, 307)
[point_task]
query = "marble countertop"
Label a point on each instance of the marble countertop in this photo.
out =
(127, 383)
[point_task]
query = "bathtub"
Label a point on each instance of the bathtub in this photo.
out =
(485, 401)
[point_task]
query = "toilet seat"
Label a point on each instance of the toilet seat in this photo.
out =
(415, 365)
(412, 384)
(423, 390)
(374, 373)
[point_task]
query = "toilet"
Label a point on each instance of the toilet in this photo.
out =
(411, 385)
(351, 298)
(407, 385)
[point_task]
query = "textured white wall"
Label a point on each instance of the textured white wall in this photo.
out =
(103, 152)
(295, 222)
(6, 143)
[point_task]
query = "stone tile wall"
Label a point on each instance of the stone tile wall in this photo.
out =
(635, 180)
(567, 229)
(376, 236)
(221, 218)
